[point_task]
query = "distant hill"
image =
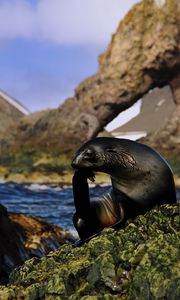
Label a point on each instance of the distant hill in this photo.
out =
(11, 111)
(157, 106)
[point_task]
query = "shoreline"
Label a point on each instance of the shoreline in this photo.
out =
(54, 178)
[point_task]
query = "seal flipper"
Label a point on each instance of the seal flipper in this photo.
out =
(81, 202)
(89, 218)
(84, 219)
(81, 194)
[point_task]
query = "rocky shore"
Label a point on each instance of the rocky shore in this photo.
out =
(52, 178)
(23, 237)
(137, 262)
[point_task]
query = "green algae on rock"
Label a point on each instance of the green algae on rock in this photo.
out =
(137, 262)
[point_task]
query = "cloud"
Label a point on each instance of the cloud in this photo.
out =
(64, 22)
(17, 19)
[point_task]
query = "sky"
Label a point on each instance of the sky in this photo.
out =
(47, 47)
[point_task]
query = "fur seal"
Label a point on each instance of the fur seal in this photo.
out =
(141, 179)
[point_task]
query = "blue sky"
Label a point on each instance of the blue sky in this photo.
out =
(48, 46)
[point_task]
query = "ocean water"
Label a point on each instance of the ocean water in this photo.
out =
(51, 203)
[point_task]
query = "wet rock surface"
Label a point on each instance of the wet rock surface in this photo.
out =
(23, 237)
(137, 262)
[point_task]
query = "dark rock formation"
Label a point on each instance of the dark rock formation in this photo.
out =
(138, 262)
(23, 237)
(143, 53)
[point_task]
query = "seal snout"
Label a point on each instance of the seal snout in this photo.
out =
(76, 162)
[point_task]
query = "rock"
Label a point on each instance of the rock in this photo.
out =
(144, 53)
(158, 105)
(23, 237)
(137, 262)
(167, 140)
(39, 237)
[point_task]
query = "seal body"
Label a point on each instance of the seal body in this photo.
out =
(140, 178)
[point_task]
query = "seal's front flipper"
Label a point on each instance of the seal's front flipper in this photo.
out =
(81, 194)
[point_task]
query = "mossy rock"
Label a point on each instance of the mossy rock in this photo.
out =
(137, 262)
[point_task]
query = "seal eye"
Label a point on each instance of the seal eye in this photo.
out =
(89, 151)
(89, 155)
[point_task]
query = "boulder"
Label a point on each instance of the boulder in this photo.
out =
(23, 237)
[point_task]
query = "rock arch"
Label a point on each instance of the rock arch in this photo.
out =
(144, 53)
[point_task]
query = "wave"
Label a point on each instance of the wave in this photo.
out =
(41, 187)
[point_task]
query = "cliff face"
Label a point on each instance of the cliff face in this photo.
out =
(168, 138)
(143, 53)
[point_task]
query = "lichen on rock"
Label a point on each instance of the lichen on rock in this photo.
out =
(137, 262)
